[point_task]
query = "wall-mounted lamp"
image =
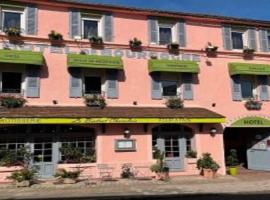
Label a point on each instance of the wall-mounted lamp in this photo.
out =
(126, 133)
(213, 131)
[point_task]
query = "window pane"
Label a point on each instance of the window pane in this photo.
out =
(11, 82)
(90, 28)
(268, 41)
(169, 88)
(237, 40)
(165, 35)
(247, 89)
(12, 20)
(92, 85)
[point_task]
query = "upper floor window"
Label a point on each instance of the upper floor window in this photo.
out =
(91, 27)
(165, 33)
(169, 88)
(11, 82)
(92, 85)
(237, 40)
(268, 38)
(13, 19)
(248, 87)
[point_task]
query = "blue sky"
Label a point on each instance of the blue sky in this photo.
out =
(253, 9)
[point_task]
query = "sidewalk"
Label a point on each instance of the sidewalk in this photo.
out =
(178, 185)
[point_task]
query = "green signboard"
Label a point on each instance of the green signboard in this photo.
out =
(173, 66)
(252, 122)
(21, 57)
(249, 68)
(94, 61)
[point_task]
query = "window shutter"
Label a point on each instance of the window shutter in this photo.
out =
(263, 80)
(112, 84)
(263, 34)
(0, 18)
(153, 30)
(252, 42)
(227, 37)
(74, 23)
(182, 33)
(75, 85)
(236, 88)
(187, 79)
(33, 82)
(108, 28)
(156, 86)
(31, 20)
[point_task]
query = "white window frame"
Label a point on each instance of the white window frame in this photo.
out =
(95, 73)
(98, 19)
(245, 37)
(23, 23)
(268, 39)
(172, 26)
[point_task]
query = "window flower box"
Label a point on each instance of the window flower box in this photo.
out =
(248, 51)
(174, 103)
(173, 47)
(95, 101)
(12, 101)
(55, 38)
(13, 32)
(135, 44)
(253, 105)
(211, 49)
(96, 41)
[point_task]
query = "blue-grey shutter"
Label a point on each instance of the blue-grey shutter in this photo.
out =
(74, 23)
(236, 88)
(33, 82)
(187, 80)
(252, 42)
(108, 28)
(263, 34)
(112, 84)
(156, 86)
(263, 80)
(153, 30)
(182, 33)
(227, 37)
(0, 18)
(31, 20)
(75, 85)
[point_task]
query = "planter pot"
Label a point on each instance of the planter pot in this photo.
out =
(209, 173)
(23, 184)
(233, 171)
(69, 181)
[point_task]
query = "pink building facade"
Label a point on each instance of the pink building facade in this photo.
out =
(225, 90)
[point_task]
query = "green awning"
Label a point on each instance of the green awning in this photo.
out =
(173, 66)
(21, 57)
(249, 68)
(94, 61)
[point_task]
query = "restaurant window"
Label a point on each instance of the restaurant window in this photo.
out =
(92, 85)
(13, 19)
(248, 87)
(237, 39)
(11, 82)
(91, 27)
(13, 148)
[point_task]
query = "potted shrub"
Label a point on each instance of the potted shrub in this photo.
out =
(248, 51)
(127, 171)
(135, 44)
(252, 104)
(68, 177)
(207, 165)
(211, 49)
(12, 101)
(95, 101)
(173, 47)
(96, 41)
(232, 162)
(24, 177)
(191, 154)
(174, 102)
(13, 32)
(55, 38)
(160, 167)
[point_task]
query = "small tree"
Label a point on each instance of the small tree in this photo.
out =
(232, 159)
